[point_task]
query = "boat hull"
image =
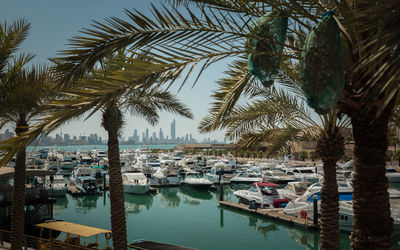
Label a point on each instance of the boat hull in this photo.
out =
(202, 186)
(136, 189)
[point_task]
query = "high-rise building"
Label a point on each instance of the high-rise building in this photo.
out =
(135, 135)
(154, 136)
(143, 137)
(147, 134)
(67, 137)
(173, 127)
(161, 134)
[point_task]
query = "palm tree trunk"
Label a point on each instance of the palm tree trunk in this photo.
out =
(18, 200)
(331, 149)
(112, 122)
(373, 226)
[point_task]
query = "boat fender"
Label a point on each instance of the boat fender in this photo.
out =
(303, 214)
(108, 236)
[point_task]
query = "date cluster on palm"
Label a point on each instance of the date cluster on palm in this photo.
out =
(265, 46)
(321, 67)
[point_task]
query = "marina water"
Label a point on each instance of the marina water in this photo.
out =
(185, 216)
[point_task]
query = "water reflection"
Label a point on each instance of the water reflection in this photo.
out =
(169, 196)
(85, 203)
(307, 239)
(60, 204)
(227, 191)
(194, 197)
(262, 226)
(135, 203)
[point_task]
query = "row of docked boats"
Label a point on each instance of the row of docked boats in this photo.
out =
(297, 199)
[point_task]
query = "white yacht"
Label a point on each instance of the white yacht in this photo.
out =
(55, 185)
(193, 179)
(304, 174)
(263, 194)
(80, 171)
(246, 178)
(392, 175)
(293, 190)
(277, 176)
(135, 183)
(305, 201)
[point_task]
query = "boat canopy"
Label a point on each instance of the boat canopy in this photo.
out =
(266, 184)
(72, 228)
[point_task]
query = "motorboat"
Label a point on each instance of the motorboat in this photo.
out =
(80, 171)
(392, 175)
(293, 190)
(264, 195)
(277, 176)
(135, 183)
(246, 178)
(193, 179)
(305, 201)
(304, 174)
(55, 185)
(86, 185)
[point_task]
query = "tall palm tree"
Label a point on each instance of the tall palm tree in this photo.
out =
(22, 92)
(218, 30)
(22, 97)
(280, 117)
(139, 103)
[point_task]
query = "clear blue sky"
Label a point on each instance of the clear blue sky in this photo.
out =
(55, 21)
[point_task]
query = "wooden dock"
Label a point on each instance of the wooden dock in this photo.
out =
(273, 213)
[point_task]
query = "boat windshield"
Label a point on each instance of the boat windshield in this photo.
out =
(391, 170)
(193, 175)
(306, 171)
(348, 196)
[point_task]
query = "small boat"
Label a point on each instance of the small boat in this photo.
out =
(193, 179)
(304, 174)
(264, 195)
(135, 183)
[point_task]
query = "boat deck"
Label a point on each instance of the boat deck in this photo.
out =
(274, 213)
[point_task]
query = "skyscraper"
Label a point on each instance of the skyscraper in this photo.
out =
(147, 134)
(135, 135)
(161, 134)
(173, 127)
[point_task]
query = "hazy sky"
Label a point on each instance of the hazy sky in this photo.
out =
(55, 21)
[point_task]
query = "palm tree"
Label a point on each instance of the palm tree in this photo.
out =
(22, 93)
(218, 30)
(281, 118)
(139, 103)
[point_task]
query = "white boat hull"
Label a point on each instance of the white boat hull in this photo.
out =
(136, 189)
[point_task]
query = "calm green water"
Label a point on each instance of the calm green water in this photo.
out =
(188, 217)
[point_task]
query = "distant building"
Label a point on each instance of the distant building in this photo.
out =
(147, 134)
(173, 129)
(161, 134)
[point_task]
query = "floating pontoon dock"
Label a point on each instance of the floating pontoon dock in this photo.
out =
(274, 213)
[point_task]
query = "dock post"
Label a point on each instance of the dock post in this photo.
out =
(315, 198)
(221, 190)
(104, 180)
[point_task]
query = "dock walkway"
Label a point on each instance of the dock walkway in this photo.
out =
(274, 213)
